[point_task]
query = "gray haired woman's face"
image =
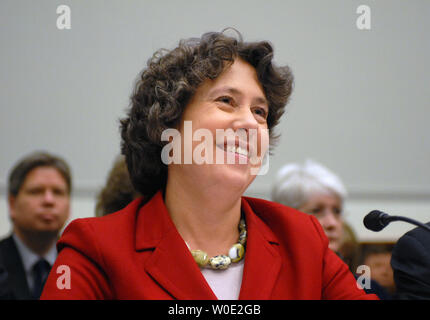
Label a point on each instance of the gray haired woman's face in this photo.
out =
(327, 208)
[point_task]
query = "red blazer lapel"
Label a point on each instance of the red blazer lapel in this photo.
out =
(174, 269)
(171, 264)
(262, 258)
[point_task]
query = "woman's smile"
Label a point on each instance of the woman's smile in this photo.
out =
(232, 109)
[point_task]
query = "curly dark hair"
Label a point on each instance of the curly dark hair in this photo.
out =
(166, 85)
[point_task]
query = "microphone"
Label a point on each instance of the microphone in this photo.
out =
(377, 220)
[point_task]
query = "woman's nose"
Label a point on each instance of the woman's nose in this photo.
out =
(245, 119)
(330, 220)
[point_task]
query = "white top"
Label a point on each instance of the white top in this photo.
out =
(225, 283)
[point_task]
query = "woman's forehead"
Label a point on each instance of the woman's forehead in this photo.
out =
(237, 79)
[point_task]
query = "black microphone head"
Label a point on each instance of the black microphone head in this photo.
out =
(375, 221)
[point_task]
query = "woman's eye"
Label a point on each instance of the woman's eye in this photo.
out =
(261, 112)
(225, 99)
(316, 210)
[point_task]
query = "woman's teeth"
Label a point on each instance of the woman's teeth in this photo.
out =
(238, 150)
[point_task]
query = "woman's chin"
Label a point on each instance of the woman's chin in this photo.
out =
(234, 176)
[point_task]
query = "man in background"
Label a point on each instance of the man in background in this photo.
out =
(39, 189)
(377, 257)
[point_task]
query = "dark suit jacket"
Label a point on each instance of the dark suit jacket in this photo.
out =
(137, 253)
(411, 265)
(13, 281)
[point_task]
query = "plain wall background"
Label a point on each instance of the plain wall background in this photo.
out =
(360, 104)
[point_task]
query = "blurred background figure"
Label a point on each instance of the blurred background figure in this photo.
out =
(349, 249)
(39, 191)
(5, 293)
(378, 257)
(118, 191)
(314, 189)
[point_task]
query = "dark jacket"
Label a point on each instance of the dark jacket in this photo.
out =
(13, 281)
(411, 265)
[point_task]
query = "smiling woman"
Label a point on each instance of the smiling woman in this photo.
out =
(193, 235)
(230, 112)
(169, 84)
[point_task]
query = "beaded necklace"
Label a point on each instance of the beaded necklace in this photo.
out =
(221, 262)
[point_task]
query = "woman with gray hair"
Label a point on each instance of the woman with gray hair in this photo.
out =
(314, 189)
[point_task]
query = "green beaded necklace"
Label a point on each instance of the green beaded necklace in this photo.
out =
(221, 262)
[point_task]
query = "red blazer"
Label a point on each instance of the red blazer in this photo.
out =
(138, 254)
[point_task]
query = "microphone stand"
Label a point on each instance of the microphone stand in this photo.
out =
(405, 219)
